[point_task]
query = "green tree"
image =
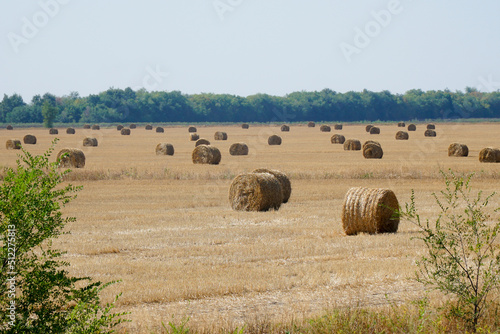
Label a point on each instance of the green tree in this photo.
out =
(49, 113)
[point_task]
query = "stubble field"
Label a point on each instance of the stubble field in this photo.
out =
(165, 228)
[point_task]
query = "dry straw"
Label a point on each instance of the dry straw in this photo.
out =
(412, 127)
(13, 144)
(431, 126)
(89, 141)
(238, 149)
(125, 132)
(219, 135)
(370, 210)
(374, 130)
(402, 135)
(245, 126)
(70, 131)
(458, 150)
(159, 129)
(372, 150)
(71, 157)
(206, 154)
(285, 128)
(430, 133)
(164, 149)
(325, 128)
(286, 185)
(255, 192)
(202, 142)
(338, 126)
(148, 127)
(401, 124)
(194, 137)
(337, 139)
(119, 127)
(368, 128)
(274, 140)
(53, 131)
(191, 129)
(133, 126)
(489, 154)
(311, 125)
(96, 127)
(86, 126)
(9, 127)
(29, 139)
(352, 145)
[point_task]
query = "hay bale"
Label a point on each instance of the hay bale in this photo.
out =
(9, 127)
(194, 137)
(370, 210)
(431, 126)
(245, 126)
(285, 128)
(489, 154)
(202, 142)
(368, 128)
(206, 154)
(325, 128)
(274, 140)
(164, 149)
(53, 131)
(90, 142)
(238, 149)
(219, 135)
(96, 127)
(255, 192)
(132, 126)
(352, 145)
(401, 124)
(71, 157)
(29, 139)
(286, 185)
(159, 129)
(119, 127)
(374, 130)
(191, 129)
(149, 127)
(338, 126)
(412, 127)
(402, 135)
(458, 150)
(430, 133)
(70, 131)
(86, 126)
(372, 150)
(13, 144)
(337, 139)
(125, 132)
(311, 125)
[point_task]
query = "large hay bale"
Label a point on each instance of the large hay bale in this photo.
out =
(164, 149)
(90, 142)
(194, 137)
(202, 142)
(71, 157)
(286, 185)
(255, 192)
(86, 126)
(192, 129)
(337, 139)
(53, 131)
(96, 127)
(489, 154)
(70, 131)
(125, 132)
(206, 154)
(132, 126)
(412, 127)
(368, 128)
(338, 126)
(119, 127)
(245, 126)
(325, 128)
(430, 133)
(9, 127)
(374, 130)
(149, 127)
(352, 145)
(402, 135)
(13, 144)
(285, 128)
(458, 150)
(29, 139)
(238, 149)
(370, 210)
(311, 125)
(431, 126)
(401, 124)
(372, 150)
(159, 129)
(274, 140)
(219, 135)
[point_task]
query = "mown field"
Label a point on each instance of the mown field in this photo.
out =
(164, 226)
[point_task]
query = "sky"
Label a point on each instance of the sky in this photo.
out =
(245, 47)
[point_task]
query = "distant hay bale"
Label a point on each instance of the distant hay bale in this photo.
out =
(372, 150)
(245, 126)
(159, 129)
(285, 128)
(374, 130)
(9, 127)
(238, 149)
(90, 141)
(70, 131)
(53, 131)
(132, 126)
(194, 137)
(352, 145)
(458, 150)
(412, 127)
(338, 126)
(119, 127)
(125, 132)
(255, 192)
(401, 124)
(71, 157)
(202, 142)
(206, 154)
(370, 210)
(325, 128)
(402, 135)
(219, 135)
(431, 126)
(149, 127)
(13, 144)
(164, 149)
(86, 126)
(96, 127)
(29, 139)
(337, 139)
(274, 140)
(311, 125)
(430, 133)
(191, 129)
(489, 154)
(368, 128)
(286, 185)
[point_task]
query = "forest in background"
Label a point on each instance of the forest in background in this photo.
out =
(127, 105)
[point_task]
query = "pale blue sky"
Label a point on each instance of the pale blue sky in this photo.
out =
(254, 46)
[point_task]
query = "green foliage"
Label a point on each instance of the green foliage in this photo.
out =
(463, 259)
(49, 113)
(177, 329)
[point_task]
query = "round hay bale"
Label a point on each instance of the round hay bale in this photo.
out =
(255, 192)
(13, 144)
(70, 131)
(325, 128)
(191, 129)
(202, 142)
(132, 126)
(29, 139)
(401, 124)
(374, 130)
(337, 139)
(149, 127)
(311, 125)
(53, 131)
(412, 127)
(159, 129)
(119, 127)
(90, 142)
(372, 150)
(370, 210)
(238, 149)
(431, 126)
(368, 128)
(458, 150)
(219, 135)
(125, 132)
(71, 157)
(274, 140)
(430, 133)
(402, 135)
(206, 154)
(96, 127)
(338, 126)
(86, 126)
(245, 126)
(489, 154)
(286, 185)
(9, 127)
(352, 145)
(194, 137)
(164, 149)
(285, 128)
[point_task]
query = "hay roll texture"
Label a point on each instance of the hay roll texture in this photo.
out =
(13, 144)
(53, 131)
(402, 135)
(412, 127)
(149, 127)
(206, 154)
(274, 140)
(125, 132)
(70, 131)
(159, 129)
(255, 192)
(370, 210)
(219, 135)
(71, 158)
(352, 145)
(368, 128)
(9, 127)
(133, 126)
(401, 124)
(86, 126)
(372, 150)
(458, 150)
(374, 130)
(325, 128)
(238, 149)
(119, 127)
(337, 139)
(286, 185)
(311, 125)
(194, 137)
(245, 126)
(191, 129)
(202, 142)
(164, 149)
(29, 139)
(285, 128)
(430, 133)
(338, 126)
(489, 154)
(90, 142)
(96, 127)
(431, 126)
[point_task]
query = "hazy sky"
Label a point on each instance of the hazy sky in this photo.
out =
(245, 47)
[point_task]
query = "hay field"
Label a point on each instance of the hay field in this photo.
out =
(164, 225)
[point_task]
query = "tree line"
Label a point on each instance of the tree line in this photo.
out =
(127, 105)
